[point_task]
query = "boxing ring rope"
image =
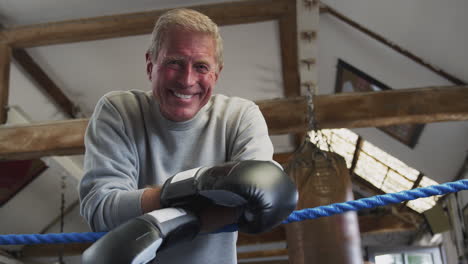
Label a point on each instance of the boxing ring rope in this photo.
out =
(299, 215)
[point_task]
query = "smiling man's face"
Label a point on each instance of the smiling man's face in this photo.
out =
(184, 74)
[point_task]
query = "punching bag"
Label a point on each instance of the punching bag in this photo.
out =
(322, 178)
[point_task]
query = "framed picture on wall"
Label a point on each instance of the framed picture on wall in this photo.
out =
(351, 79)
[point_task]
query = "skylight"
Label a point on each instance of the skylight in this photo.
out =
(379, 168)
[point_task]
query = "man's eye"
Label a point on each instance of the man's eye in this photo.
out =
(202, 68)
(174, 63)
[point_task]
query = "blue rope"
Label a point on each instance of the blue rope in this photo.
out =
(299, 215)
(50, 238)
(375, 201)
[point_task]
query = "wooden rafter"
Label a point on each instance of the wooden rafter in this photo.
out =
(44, 139)
(137, 23)
(44, 82)
(67, 137)
(283, 116)
(5, 60)
(402, 106)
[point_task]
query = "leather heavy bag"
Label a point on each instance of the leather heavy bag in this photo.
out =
(322, 178)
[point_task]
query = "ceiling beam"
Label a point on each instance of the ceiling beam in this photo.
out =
(136, 23)
(392, 107)
(43, 139)
(285, 115)
(67, 137)
(422, 105)
(5, 60)
(44, 82)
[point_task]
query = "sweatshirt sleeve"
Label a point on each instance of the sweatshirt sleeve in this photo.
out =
(109, 193)
(252, 141)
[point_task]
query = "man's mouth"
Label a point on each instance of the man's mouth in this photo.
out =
(183, 96)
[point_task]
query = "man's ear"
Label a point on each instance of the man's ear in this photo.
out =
(149, 65)
(218, 73)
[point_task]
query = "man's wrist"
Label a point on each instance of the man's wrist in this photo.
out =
(151, 199)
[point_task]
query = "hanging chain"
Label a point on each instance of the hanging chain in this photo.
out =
(318, 135)
(311, 92)
(62, 215)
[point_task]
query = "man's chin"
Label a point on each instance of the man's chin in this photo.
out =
(181, 116)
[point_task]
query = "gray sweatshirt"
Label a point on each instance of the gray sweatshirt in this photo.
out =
(130, 146)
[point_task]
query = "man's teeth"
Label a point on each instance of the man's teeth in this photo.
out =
(183, 96)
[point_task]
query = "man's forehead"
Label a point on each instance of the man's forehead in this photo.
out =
(205, 58)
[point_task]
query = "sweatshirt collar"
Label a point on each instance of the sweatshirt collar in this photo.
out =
(195, 121)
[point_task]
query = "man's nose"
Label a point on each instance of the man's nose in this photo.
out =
(187, 77)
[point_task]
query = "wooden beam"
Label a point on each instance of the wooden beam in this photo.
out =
(289, 52)
(290, 58)
(44, 82)
(287, 115)
(5, 59)
(67, 137)
(282, 115)
(393, 107)
(43, 139)
(136, 23)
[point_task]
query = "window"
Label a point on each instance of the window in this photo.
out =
(379, 168)
(409, 256)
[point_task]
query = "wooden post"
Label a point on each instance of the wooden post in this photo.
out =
(5, 59)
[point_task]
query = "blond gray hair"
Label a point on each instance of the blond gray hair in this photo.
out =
(186, 19)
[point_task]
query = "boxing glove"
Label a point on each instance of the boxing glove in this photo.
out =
(137, 240)
(264, 192)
